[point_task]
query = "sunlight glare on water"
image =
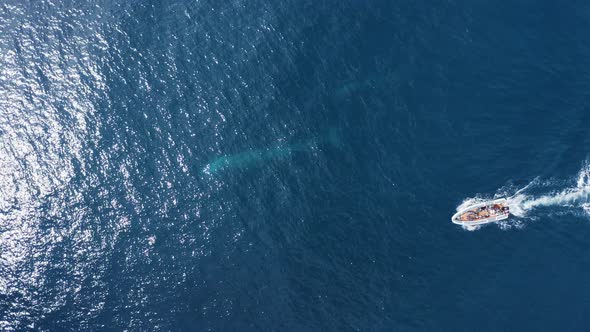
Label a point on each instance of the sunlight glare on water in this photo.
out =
(47, 121)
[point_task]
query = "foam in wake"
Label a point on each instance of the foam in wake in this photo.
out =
(576, 197)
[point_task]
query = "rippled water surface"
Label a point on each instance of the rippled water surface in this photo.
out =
(292, 165)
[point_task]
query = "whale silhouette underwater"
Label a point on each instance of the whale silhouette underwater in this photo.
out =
(252, 157)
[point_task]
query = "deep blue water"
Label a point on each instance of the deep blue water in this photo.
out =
(293, 165)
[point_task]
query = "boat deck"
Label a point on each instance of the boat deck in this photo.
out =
(483, 213)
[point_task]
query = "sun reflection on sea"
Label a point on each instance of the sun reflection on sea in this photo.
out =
(46, 121)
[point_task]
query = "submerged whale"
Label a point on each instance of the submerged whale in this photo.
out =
(258, 156)
(352, 87)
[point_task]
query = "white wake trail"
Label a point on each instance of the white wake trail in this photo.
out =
(577, 196)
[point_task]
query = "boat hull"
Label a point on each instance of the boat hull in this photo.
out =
(456, 218)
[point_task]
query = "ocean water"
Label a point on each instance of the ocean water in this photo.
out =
(293, 165)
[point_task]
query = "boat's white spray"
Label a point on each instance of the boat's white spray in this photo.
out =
(574, 198)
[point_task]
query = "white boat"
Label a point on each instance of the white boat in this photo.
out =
(482, 213)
